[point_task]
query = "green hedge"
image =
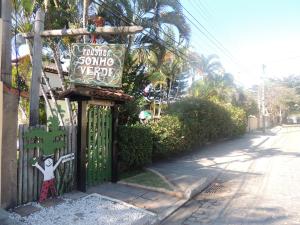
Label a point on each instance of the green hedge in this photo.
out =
(136, 144)
(192, 122)
(188, 124)
(167, 136)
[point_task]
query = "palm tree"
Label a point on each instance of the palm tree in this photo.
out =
(152, 15)
(221, 87)
(172, 68)
(158, 80)
(209, 67)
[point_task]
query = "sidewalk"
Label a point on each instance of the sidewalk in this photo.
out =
(194, 172)
(159, 203)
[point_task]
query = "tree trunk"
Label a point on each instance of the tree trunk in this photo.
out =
(36, 69)
(160, 101)
(86, 4)
(170, 89)
(46, 99)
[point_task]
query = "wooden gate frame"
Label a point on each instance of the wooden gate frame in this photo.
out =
(97, 96)
(82, 141)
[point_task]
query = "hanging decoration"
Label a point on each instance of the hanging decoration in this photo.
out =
(93, 23)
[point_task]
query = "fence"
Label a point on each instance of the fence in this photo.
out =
(30, 179)
(252, 123)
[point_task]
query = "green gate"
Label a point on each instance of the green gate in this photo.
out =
(99, 144)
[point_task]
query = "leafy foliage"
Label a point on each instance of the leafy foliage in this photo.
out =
(189, 124)
(60, 15)
(167, 136)
(193, 122)
(133, 82)
(136, 145)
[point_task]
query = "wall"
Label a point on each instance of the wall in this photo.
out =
(252, 123)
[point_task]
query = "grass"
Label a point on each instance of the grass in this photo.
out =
(130, 173)
(146, 178)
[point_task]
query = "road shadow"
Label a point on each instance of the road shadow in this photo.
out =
(207, 162)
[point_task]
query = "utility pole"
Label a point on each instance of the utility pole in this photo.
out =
(8, 114)
(263, 110)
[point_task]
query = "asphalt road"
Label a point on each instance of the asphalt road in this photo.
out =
(260, 185)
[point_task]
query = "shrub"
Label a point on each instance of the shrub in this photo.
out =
(167, 136)
(188, 123)
(239, 120)
(193, 122)
(203, 120)
(135, 143)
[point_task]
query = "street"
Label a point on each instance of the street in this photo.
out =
(258, 185)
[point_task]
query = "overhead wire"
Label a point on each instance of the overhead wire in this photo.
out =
(207, 33)
(205, 9)
(201, 11)
(210, 37)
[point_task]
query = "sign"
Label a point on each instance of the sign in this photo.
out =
(97, 65)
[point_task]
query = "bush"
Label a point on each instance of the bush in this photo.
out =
(167, 136)
(189, 123)
(239, 120)
(136, 144)
(193, 122)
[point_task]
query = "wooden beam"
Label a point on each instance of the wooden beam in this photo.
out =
(15, 91)
(81, 145)
(84, 31)
(115, 144)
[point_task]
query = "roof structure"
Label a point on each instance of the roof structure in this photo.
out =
(53, 70)
(92, 93)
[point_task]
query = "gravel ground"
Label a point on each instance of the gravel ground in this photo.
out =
(92, 209)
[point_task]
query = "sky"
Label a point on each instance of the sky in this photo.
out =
(253, 33)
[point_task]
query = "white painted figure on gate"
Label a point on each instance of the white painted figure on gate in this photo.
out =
(48, 172)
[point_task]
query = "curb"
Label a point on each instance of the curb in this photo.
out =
(175, 207)
(276, 129)
(162, 190)
(197, 188)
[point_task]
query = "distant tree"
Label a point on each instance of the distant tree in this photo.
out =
(281, 98)
(219, 86)
(208, 67)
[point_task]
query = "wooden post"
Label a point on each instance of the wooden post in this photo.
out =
(81, 145)
(86, 4)
(36, 69)
(115, 120)
(8, 115)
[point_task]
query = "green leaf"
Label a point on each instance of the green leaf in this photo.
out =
(27, 5)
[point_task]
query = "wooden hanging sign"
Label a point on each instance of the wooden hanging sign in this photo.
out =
(97, 65)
